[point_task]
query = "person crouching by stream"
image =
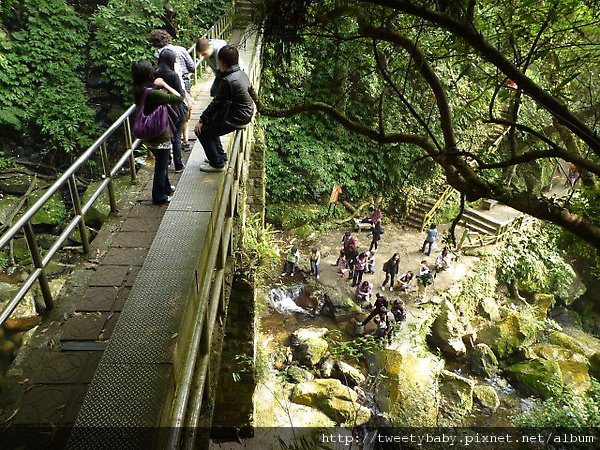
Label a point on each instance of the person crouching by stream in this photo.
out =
(291, 260)
(363, 291)
(385, 322)
(380, 302)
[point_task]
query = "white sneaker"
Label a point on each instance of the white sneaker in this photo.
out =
(206, 167)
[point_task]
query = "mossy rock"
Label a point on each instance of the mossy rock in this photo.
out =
(573, 366)
(543, 302)
(488, 308)
(456, 392)
(309, 346)
(566, 341)
(7, 204)
(538, 377)
(52, 213)
(408, 391)
(298, 374)
(348, 375)
(346, 413)
(486, 396)
(484, 361)
(506, 336)
(304, 231)
(100, 210)
(21, 250)
(446, 332)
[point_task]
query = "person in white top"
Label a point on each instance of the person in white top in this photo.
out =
(209, 50)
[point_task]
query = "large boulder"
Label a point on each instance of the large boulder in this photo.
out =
(297, 374)
(330, 396)
(573, 366)
(486, 396)
(347, 374)
(484, 361)
(506, 336)
(488, 308)
(566, 341)
(408, 390)
(456, 392)
(447, 332)
(15, 183)
(538, 377)
(309, 345)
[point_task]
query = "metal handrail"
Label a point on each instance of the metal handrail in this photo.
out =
(223, 25)
(440, 201)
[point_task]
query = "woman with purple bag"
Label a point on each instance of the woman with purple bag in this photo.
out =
(151, 125)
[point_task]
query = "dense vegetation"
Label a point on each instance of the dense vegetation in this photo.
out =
(440, 82)
(54, 52)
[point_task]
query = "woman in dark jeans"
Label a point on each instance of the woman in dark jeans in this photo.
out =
(158, 93)
(391, 267)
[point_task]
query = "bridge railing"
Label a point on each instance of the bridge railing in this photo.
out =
(24, 223)
(195, 374)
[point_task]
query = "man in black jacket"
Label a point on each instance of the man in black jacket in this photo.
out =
(231, 109)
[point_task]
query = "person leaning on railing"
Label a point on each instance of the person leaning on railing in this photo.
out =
(231, 109)
(160, 94)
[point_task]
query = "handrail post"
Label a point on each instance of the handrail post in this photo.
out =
(85, 242)
(37, 262)
(111, 189)
(129, 146)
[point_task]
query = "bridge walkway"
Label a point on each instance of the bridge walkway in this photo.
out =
(63, 356)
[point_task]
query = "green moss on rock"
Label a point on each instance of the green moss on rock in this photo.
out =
(538, 377)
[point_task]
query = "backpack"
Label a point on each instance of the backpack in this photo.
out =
(401, 316)
(386, 266)
(150, 126)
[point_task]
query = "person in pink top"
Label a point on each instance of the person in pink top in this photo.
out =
(359, 268)
(363, 291)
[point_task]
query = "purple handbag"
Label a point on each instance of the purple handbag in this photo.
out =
(150, 126)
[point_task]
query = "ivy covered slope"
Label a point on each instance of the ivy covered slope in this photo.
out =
(493, 92)
(52, 51)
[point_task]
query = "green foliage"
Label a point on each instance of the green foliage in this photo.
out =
(122, 28)
(355, 349)
(257, 249)
(41, 85)
(530, 257)
(480, 285)
(566, 410)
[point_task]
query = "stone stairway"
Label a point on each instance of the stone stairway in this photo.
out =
(480, 223)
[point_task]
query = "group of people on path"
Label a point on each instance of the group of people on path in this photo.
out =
(168, 83)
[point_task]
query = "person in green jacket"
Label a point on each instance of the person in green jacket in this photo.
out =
(160, 93)
(291, 259)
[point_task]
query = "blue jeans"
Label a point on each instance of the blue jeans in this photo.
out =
(161, 186)
(176, 142)
(314, 268)
(425, 245)
(210, 138)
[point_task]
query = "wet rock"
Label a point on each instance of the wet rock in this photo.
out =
(486, 396)
(309, 345)
(447, 331)
(538, 377)
(298, 374)
(7, 205)
(488, 308)
(327, 367)
(566, 317)
(456, 392)
(16, 184)
(347, 374)
(25, 309)
(483, 361)
(330, 396)
(573, 366)
(505, 336)
(408, 391)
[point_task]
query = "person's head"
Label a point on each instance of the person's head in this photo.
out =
(342, 253)
(167, 58)
(314, 250)
(363, 255)
(364, 285)
(294, 249)
(379, 295)
(159, 38)
(433, 226)
(445, 251)
(142, 76)
(410, 274)
(424, 263)
(347, 234)
(396, 257)
(399, 303)
(228, 56)
(204, 48)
